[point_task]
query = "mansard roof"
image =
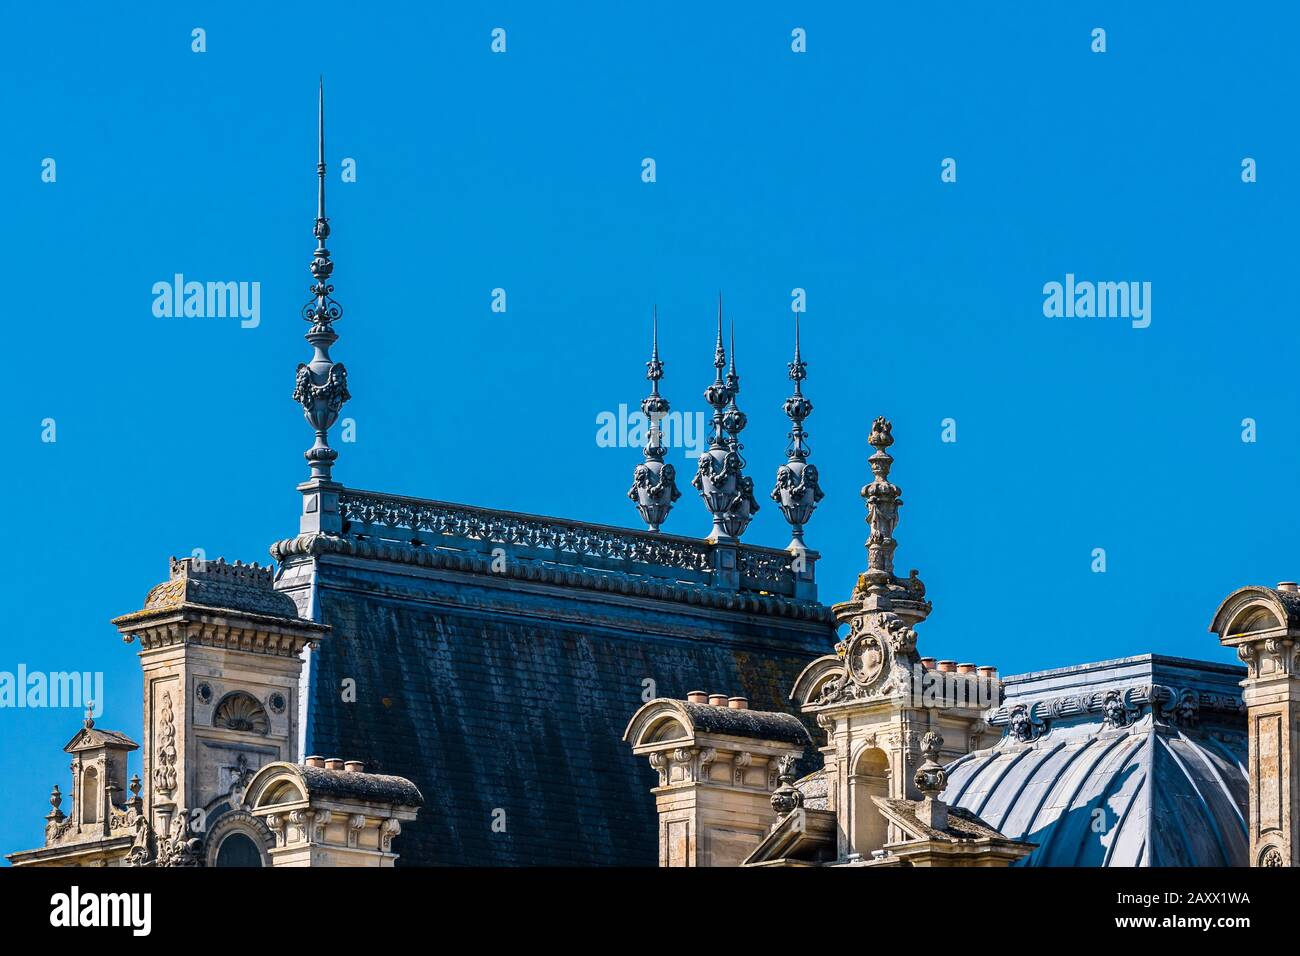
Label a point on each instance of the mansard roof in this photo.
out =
(508, 683)
(1133, 762)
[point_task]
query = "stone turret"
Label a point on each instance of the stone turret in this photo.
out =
(875, 696)
(220, 649)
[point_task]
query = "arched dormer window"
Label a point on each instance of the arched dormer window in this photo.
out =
(242, 712)
(90, 796)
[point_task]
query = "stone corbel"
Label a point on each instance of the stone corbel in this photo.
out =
(684, 757)
(301, 822)
(738, 765)
(659, 761)
(275, 823)
(356, 823)
(707, 756)
(391, 828)
(319, 823)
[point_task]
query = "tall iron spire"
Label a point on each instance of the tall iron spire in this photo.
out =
(654, 483)
(727, 493)
(322, 384)
(797, 490)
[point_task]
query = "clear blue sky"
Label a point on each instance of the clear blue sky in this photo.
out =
(775, 170)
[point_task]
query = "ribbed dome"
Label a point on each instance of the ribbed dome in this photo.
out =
(1163, 791)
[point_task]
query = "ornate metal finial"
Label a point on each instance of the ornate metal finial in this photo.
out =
(797, 490)
(322, 385)
(654, 483)
(89, 722)
(883, 501)
(727, 493)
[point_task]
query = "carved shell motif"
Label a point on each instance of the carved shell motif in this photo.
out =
(241, 711)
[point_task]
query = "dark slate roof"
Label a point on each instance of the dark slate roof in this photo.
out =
(759, 725)
(1169, 792)
(342, 784)
(505, 700)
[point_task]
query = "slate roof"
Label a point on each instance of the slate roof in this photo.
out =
(363, 786)
(1160, 792)
(504, 698)
(759, 725)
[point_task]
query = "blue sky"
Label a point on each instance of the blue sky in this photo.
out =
(775, 170)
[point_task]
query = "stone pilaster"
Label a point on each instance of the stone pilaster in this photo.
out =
(1263, 624)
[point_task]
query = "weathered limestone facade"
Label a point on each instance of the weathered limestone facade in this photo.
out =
(718, 763)
(1263, 624)
(881, 705)
(221, 652)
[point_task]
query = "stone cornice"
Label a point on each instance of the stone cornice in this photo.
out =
(202, 626)
(317, 545)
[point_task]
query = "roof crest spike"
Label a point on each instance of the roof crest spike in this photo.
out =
(654, 482)
(797, 490)
(321, 385)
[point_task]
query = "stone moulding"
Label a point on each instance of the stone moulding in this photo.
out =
(660, 588)
(1118, 707)
(468, 538)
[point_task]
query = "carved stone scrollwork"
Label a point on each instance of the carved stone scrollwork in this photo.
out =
(660, 763)
(707, 756)
(164, 771)
(319, 823)
(738, 765)
(182, 848)
(1271, 857)
(874, 659)
(275, 823)
(391, 828)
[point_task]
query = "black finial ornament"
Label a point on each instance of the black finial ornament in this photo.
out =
(322, 384)
(797, 489)
(654, 482)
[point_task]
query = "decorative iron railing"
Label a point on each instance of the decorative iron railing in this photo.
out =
(441, 525)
